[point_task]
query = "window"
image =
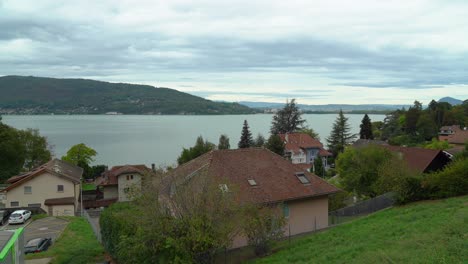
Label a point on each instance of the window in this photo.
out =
(13, 204)
(34, 205)
(302, 178)
(252, 182)
(59, 188)
(27, 189)
(129, 177)
(286, 210)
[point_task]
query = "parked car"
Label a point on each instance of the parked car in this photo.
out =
(19, 217)
(4, 215)
(37, 245)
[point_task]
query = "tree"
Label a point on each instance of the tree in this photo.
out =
(319, 170)
(246, 140)
(275, 144)
(287, 120)
(36, 148)
(80, 154)
(224, 142)
(12, 152)
(201, 147)
(366, 128)
(259, 141)
(340, 135)
(310, 132)
(412, 117)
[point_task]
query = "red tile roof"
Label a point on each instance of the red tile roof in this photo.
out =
(296, 141)
(110, 177)
(57, 167)
(275, 176)
(418, 159)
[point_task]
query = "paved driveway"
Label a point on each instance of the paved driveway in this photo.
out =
(46, 227)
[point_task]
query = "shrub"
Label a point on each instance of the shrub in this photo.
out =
(452, 181)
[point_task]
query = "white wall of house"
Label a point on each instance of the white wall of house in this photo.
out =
(42, 187)
(62, 210)
(129, 185)
(298, 158)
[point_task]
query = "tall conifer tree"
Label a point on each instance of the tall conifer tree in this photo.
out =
(366, 128)
(340, 135)
(246, 140)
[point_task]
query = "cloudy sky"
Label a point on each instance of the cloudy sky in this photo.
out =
(319, 52)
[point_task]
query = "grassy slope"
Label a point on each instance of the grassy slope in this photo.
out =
(76, 245)
(424, 232)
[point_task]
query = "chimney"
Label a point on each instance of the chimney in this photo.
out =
(153, 167)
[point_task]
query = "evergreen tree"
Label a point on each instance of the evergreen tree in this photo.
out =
(224, 142)
(201, 147)
(246, 140)
(319, 170)
(340, 135)
(259, 141)
(275, 144)
(366, 128)
(287, 120)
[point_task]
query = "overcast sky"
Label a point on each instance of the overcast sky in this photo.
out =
(319, 52)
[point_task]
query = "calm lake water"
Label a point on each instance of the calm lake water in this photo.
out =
(138, 139)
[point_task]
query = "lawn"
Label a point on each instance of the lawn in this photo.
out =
(77, 244)
(89, 187)
(423, 232)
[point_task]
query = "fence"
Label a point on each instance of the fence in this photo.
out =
(361, 208)
(94, 222)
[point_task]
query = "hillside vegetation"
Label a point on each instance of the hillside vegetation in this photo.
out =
(423, 232)
(37, 95)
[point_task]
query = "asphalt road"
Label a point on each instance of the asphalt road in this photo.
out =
(46, 227)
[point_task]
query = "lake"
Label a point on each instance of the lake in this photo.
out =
(143, 139)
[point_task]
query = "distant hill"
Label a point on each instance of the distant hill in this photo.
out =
(38, 95)
(450, 100)
(327, 107)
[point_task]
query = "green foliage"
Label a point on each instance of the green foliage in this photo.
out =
(246, 140)
(224, 142)
(36, 148)
(436, 144)
(337, 200)
(80, 154)
(275, 144)
(262, 225)
(340, 135)
(424, 232)
(359, 168)
(259, 141)
(288, 119)
(452, 181)
(318, 168)
(201, 147)
(366, 128)
(97, 170)
(12, 151)
(79, 96)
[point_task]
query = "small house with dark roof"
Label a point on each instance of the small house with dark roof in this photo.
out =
(453, 135)
(262, 177)
(303, 149)
(54, 187)
(120, 182)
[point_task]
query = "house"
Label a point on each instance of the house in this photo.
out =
(303, 149)
(262, 177)
(453, 135)
(54, 187)
(121, 182)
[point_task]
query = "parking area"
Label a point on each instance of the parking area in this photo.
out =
(46, 227)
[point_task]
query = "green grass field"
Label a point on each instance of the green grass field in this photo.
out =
(76, 245)
(423, 232)
(89, 186)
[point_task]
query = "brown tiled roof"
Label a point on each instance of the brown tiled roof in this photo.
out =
(460, 137)
(110, 177)
(57, 167)
(296, 141)
(60, 201)
(275, 176)
(418, 159)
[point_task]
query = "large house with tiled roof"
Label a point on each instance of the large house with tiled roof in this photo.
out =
(121, 182)
(301, 148)
(453, 135)
(54, 187)
(262, 177)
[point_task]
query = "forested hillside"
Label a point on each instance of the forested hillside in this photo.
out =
(37, 95)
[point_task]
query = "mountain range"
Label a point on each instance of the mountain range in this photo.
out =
(39, 95)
